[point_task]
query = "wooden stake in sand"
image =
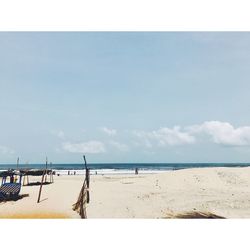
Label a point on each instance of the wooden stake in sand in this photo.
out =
(41, 186)
(46, 169)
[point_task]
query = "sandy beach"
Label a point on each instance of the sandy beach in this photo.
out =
(221, 191)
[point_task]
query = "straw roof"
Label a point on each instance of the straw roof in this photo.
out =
(34, 172)
(9, 172)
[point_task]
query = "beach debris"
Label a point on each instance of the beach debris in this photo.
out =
(194, 215)
(80, 205)
(83, 198)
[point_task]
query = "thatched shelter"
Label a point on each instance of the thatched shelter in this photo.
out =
(9, 173)
(37, 172)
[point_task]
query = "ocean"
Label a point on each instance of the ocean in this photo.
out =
(122, 168)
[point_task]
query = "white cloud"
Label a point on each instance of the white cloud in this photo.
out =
(59, 133)
(166, 136)
(5, 150)
(220, 133)
(144, 137)
(119, 146)
(91, 147)
(109, 131)
(223, 133)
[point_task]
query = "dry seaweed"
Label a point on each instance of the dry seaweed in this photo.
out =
(195, 215)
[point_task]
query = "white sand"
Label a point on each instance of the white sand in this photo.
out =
(56, 199)
(222, 191)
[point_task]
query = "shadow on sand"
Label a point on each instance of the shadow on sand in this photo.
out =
(19, 197)
(37, 183)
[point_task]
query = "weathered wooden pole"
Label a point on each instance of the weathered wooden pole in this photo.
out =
(41, 185)
(40, 189)
(46, 169)
(87, 178)
(86, 171)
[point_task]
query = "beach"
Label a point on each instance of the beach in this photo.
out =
(221, 191)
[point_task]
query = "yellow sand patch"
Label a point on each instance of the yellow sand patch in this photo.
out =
(49, 215)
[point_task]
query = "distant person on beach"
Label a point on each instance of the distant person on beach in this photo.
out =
(136, 170)
(68, 173)
(74, 172)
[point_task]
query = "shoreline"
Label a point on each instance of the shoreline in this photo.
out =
(122, 171)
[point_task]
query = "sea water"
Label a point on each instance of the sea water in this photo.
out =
(121, 168)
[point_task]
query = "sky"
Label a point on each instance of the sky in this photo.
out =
(125, 97)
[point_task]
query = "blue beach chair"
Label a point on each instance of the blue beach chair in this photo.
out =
(11, 190)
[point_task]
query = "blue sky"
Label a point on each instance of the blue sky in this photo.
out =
(125, 97)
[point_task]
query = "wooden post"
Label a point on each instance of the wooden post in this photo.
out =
(87, 178)
(87, 182)
(81, 204)
(40, 190)
(86, 172)
(46, 169)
